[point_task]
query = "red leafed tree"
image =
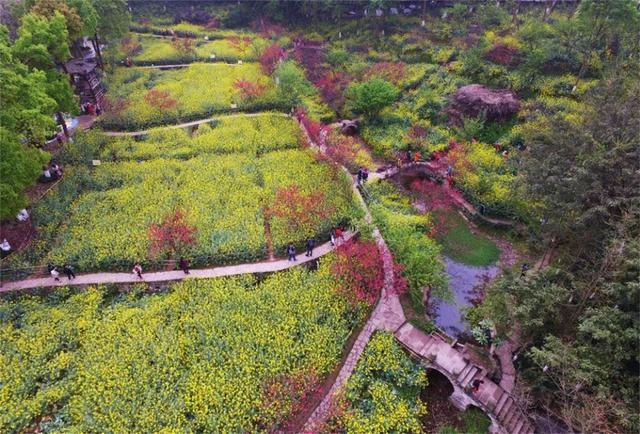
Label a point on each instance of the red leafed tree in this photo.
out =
(249, 89)
(172, 235)
(502, 54)
(313, 128)
(359, 268)
(160, 99)
(332, 86)
(287, 395)
(270, 57)
(114, 106)
(130, 46)
(393, 72)
(267, 29)
(240, 43)
(301, 212)
(184, 46)
(343, 149)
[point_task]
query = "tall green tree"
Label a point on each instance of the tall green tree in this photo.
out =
(371, 96)
(113, 18)
(49, 8)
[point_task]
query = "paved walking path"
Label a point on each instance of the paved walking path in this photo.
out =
(191, 124)
(165, 276)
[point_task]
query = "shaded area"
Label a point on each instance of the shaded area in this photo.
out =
(442, 416)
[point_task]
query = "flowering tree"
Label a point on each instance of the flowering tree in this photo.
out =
(184, 46)
(249, 89)
(240, 43)
(359, 268)
(301, 211)
(172, 235)
(160, 99)
(270, 57)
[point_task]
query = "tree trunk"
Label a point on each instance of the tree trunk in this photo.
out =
(547, 11)
(98, 52)
(62, 123)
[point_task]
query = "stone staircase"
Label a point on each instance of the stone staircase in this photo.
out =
(436, 352)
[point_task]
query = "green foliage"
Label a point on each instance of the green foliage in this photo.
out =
(295, 90)
(42, 42)
(462, 245)
(383, 393)
(19, 167)
(197, 357)
(406, 235)
(371, 96)
(113, 18)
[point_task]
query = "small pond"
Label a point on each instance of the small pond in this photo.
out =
(464, 282)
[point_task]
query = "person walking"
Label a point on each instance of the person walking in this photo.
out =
(475, 385)
(137, 270)
(291, 252)
(55, 273)
(5, 248)
(68, 271)
(311, 243)
(184, 265)
(525, 267)
(360, 176)
(333, 237)
(339, 234)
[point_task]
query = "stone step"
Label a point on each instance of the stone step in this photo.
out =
(513, 413)
(505, 409)
(465, 371)
(515, 420)
(405, 328)
(518, 426)
(501, 403)
(470, 376)
(527, 428)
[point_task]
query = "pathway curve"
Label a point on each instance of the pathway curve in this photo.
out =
(191, 124)
(433, 350)
(166, 276)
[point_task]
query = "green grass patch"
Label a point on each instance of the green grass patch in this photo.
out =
(462, 245)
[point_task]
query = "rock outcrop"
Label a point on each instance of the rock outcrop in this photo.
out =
(475, 99)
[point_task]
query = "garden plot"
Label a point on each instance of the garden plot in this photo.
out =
(140, 98)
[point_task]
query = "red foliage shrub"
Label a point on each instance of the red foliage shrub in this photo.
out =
(343, 149)
(249, 89)
(114, 106)
(286, 395)
(172, 235)
(240, 43)
(270, 57)
(393, 72)
(300, 211)
(160, 99)
(313, 128)
(332, 86)
(130, 47)
(502, 54)
(359, 268)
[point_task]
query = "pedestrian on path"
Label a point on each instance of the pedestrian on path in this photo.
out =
(311, 243)
(5, 248)
(475, 385)
(55, 274)
(525, 267)
(184, 265)
(333, 237)
(339, 234)
(137, 270)
(68, 270)
(360, 176)
(291, 252)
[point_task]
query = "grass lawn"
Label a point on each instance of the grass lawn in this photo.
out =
(460, 244)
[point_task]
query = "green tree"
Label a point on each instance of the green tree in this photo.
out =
(42, 42)
(293, 85)
(371, 96)
(113, 18)
(49, 8)
(19, 168)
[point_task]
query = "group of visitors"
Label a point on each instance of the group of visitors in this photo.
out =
(336, 235)
(363, 175)
(51, 172)
(90, 108)
(54, 271)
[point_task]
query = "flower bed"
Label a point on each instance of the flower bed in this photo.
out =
(164, 51)
(219, 355)
(383, 393)
(224, 195)
(141, 98)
